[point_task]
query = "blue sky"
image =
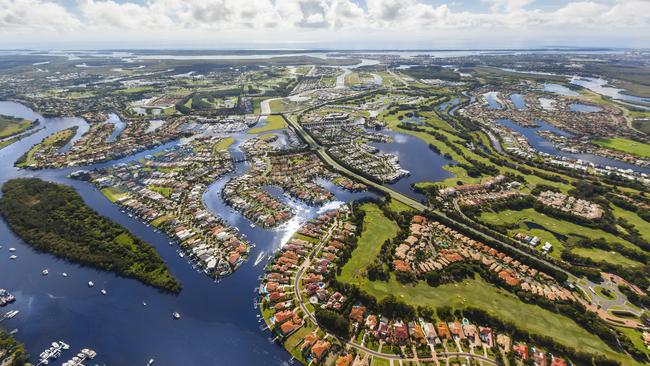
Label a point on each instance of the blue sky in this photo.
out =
(363, 24)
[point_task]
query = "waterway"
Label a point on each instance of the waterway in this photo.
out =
(219, 324)
(424, 164)
(539, 143)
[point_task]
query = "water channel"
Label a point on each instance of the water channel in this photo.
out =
(219, 324)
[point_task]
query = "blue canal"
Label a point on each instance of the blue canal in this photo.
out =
(219, 324)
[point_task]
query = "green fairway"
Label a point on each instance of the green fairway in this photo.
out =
(273, 122)
(477, 292)
(599, 255)
(10, 126)
(508, 217)
(376, 229)
(626, 145)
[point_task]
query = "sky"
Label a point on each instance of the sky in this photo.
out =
(323, 24)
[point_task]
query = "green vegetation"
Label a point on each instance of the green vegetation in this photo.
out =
(377, 228)
(12, 353)
(165, 191)
(474, 292)
(10, 126)
(53, 218)
(223, 144)
(273, 122)
(54, 141)
(626, 146)
(515, 222)
(113, 194)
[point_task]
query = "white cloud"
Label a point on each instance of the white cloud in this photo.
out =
(296, 20)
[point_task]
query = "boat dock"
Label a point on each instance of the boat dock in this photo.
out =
(53, 352)
(80, 358)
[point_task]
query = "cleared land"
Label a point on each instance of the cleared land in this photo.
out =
(626, 145)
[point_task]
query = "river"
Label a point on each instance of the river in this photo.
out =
(219, 324)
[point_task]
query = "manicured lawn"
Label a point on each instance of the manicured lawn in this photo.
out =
(634, 219)
(223, 144)
(476, 292)
(563, 227)
(602, 292)
(379, 362)
(165, 191)
(602, 255)
(376, 229)
(636, 337)
(11, 126)
(506, 306)
(398, 207)
(352, 79)
(113, 194)
(273, 122)
(625, 145)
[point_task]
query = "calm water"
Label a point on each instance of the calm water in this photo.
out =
(584, 108)
(415, 156)
(560, 89)
(541, 144)
(518, 101)
(219, 324)
(493, 100)
(599, 85)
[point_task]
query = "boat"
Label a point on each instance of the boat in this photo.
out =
(181, 254)
(150, 362)
(103, 292)
(64, 274)
(12, 249)
(13, 257)
(90, 284)
(11, 314)
(176, 315)
(144, 303)
(14, 331)
(45, 272)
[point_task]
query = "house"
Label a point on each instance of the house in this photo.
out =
(486, 336)
(522, 351)
(319, 350)
(357, 312)
(344, 360)
(443, 330)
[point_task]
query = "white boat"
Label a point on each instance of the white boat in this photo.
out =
(64, 274)
(11, 314)
(181, 254)
(144, 303)
(45, 272)
(12, 249)
(103, 292)
(90, 284)
(176, 315)
(13, 257)
(150, 362)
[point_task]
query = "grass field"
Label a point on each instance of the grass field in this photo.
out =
(113, 194)
(165, 191)
(602, 255)
(398, 207)
(273, 122)
(476, 292)
(563, 227)
(11, 126)
(223, 144)
(376, 229)
(634, 219)
(626, 145)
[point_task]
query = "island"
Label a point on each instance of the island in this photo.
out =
(53, 218)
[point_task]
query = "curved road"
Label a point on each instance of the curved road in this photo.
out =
(298, 295)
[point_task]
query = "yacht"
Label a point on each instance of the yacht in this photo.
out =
(13, 257)
(45, 272)
(64, 274)
(103, 292)
(176, 315)
(144, 303)
(90, 284)
(11, 314)
(12, 249)
(150, 362)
